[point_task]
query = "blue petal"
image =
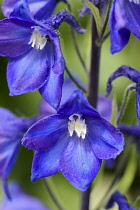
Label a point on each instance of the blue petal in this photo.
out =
(118, 33)
(46, 163)
(79, 163)
(52, 90)
(64, 16)
(14, 37)
(11, 125)
(106, 141)
(7, 6)
(104, 106)
(45, 133)
(30, 71)
(20, 199)
(46, 9)
(59, 63)
(8, 155)
(77, 103)
(131, 130)
(39, 9)
(21, 11)
(132, 16)
(124, 71)
(11, 128)
(121, 200)
(45, 109)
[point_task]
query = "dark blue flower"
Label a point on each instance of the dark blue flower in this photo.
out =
(36, 60)
(121, 200)
(73, 141)
(40, 9)
(131, 74)
(21, 200)
(124, 19)
(11, 132)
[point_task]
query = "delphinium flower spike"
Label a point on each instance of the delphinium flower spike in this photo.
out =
(36, 61)
(74, 141)
(12, 129)
(124, 19)
(21, 200)
(131, 74)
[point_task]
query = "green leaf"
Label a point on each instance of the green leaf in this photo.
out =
(96, 14)
(130, 171)
(113, 119)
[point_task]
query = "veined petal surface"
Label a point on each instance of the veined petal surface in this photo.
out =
(14, 37)
(30, 71)
(45, 133)
(106, 141)
(79, 163)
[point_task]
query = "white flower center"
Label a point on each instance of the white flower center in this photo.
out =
(78, 125)
(135, 1)
(38, 40)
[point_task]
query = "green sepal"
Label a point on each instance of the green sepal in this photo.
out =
(130, 171)
(113, 119)
(96, 14)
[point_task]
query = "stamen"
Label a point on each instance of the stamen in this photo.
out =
(135, 1)
(78, 125)
(38, 40)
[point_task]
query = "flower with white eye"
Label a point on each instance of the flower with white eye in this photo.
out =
(36, 60)
(74, 141)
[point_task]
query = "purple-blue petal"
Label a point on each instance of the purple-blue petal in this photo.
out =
(9, 151)
(77, 103)
(132, 16)
(52, 90)
(21, 200)
(16, 43)
(45, 133)
(121, 200)
(30, 71)
(39, 9)
(104, 107)
(130, 130)
(21, 11)
(79, 163)
(46, 8)
(64, 16)
(124, 71)
(46, 163)
(118, 33)
(106, 141)
(45, 109)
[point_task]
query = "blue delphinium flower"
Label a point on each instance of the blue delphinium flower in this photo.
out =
(11, 132)
(124, 19)
(74, 141)
(131, 74)
(36, 60)
(21, 200)
(121, 200)
(40, 9)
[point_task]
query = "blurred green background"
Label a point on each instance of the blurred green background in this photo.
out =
(27, 105)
